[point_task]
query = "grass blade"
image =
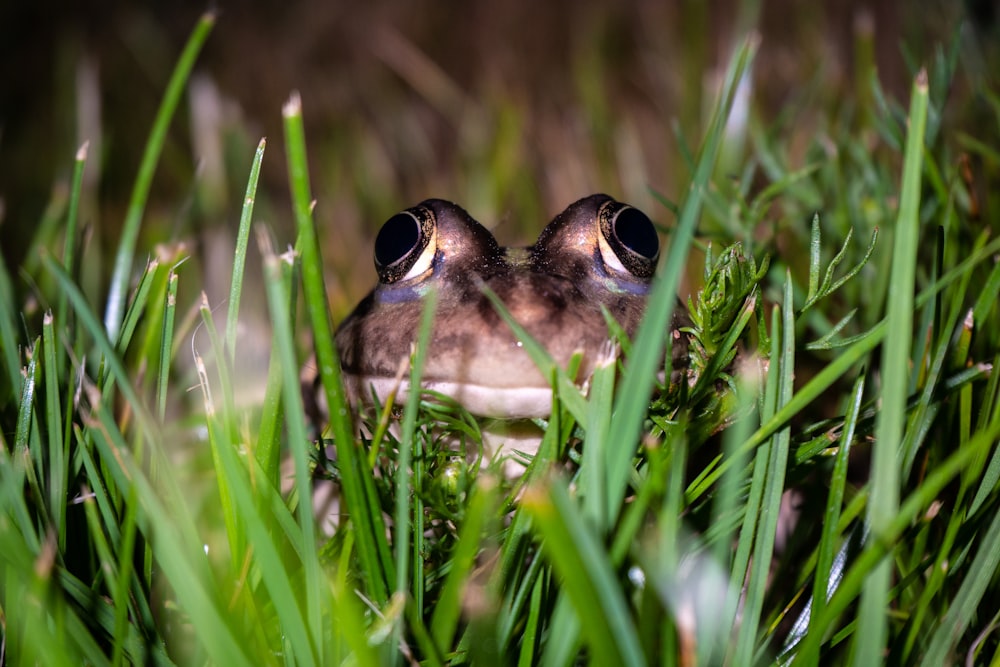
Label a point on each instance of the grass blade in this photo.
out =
(72, 218)
(58, 449)
(144, 177)
(637, 383)
(586, 571)
(240, 256)
(891, 420)
(292, 398)
(376, 565)
(404, 487)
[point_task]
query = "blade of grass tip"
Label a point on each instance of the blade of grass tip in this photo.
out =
(640, 373)
(240, 256)
(72, 218)
(144, 177)
(277, 296)
(403, 482)
(58, 453)
(587, 575)
(166, 344)
(891, 418)
(376, 564)
(184, 525)
(26, 436)
(149, 347)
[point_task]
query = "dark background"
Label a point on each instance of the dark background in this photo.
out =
(509, 108)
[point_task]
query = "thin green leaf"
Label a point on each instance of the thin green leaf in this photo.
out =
(376, 562)
(240, 255)
(144, 177)
(637, 383)
(589, 580)
(885, 473)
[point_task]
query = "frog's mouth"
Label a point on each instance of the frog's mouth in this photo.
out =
(524, 402)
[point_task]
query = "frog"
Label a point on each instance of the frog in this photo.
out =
(597, 256)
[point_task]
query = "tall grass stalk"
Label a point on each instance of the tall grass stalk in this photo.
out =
(884, 498)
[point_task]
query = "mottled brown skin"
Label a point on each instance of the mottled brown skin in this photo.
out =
(555, 290)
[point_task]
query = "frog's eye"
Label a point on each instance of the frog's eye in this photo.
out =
(628, 239)
(405, 247)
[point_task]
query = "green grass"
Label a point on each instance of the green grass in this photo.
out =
(145, 517)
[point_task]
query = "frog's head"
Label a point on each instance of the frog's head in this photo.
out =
(598, 253)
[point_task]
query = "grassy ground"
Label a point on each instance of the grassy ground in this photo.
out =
(141, 512)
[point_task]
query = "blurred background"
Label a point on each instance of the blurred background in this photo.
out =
(512, 109)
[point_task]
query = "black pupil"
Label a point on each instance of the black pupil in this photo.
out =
(398, 236)
(636, 232)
